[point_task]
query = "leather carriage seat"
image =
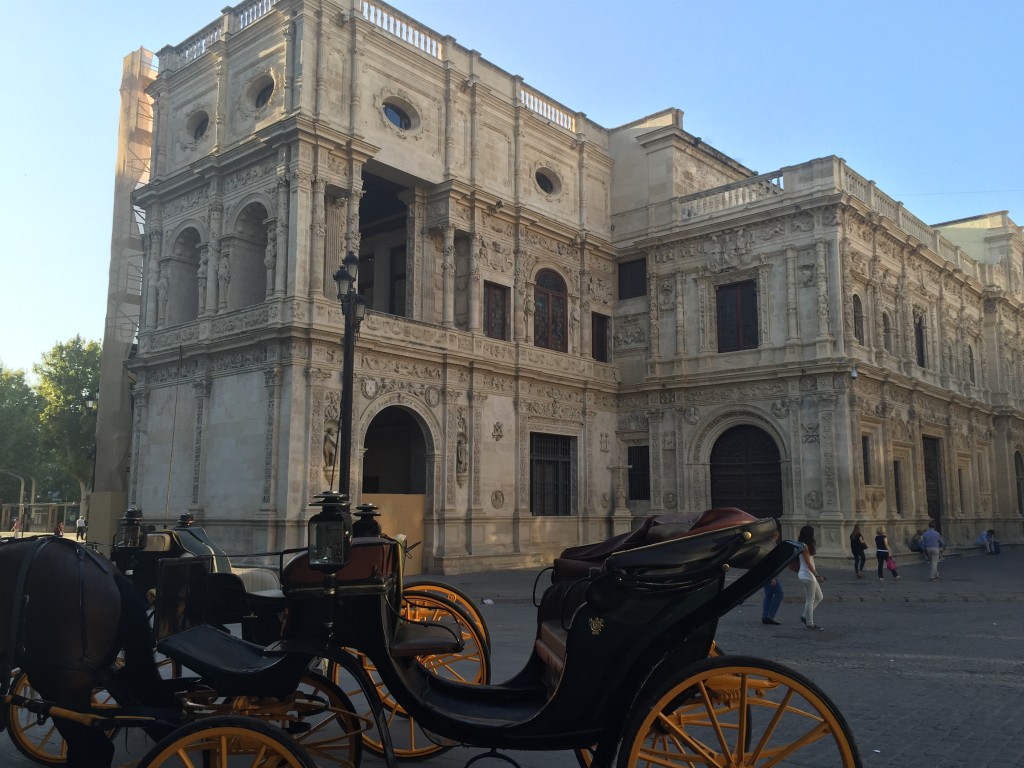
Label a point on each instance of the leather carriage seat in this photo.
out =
(577, 562)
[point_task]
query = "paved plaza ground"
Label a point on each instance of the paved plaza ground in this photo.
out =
(928, 674)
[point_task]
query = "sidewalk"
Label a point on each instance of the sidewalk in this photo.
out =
(963, 578)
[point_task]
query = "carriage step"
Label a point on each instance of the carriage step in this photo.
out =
(232, 666)
(413, 639)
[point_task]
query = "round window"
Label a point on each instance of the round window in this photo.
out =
(397, 116)
(197, 125)
(265, 92)
(200, 128)
(547, 181)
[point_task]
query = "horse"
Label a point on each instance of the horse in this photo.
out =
(66, 612)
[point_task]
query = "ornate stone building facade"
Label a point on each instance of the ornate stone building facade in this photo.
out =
(569, 326)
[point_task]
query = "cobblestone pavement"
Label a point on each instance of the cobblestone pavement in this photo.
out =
(927, 674)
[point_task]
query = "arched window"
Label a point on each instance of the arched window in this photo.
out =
(970, 364)
(887, 332)
(549, 319)
(858, 319)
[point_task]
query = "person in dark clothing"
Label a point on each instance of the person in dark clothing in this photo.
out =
(884, 554)
(858, 547)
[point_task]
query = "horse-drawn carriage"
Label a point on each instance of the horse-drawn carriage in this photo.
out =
(621, 671)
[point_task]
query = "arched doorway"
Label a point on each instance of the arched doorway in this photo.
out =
(746, 472)
(395, 476)
(394, 457)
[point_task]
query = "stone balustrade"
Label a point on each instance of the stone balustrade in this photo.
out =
(733, 195)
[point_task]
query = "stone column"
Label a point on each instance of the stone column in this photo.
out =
(153, 248)
(475, 285)
(216, 212)
(448, 279)
(223, 274)
(270, 255)
(654, 321)
(202, 275)
(318, 231)
(281, 235)
(680, 315)
(201, 392)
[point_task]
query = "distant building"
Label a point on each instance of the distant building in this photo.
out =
(570, 326)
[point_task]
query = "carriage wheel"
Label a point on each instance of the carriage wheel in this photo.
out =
(471, 665)
(585, 755)
(453, 594)
(738, 711)
(228, 741)
(331, 737)
(41, 742)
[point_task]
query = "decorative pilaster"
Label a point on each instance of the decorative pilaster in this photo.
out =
(680, 311)
(282, 215)
(201, 392)
(270, 255)
(475, 285)
(223, 274)
(448, 278)
(317, 233)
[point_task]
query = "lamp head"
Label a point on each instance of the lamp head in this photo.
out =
(853, 372)
(130, 536)
(330, 532)
(351, 263)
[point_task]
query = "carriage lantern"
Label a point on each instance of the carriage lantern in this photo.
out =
(330, 532)
(130, 534)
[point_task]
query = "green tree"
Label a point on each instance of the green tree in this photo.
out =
(20, 409)
(69, 376)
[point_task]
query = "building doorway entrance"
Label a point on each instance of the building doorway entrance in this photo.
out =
(746, 472)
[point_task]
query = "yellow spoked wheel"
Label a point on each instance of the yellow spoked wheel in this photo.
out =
(332, 735)
(228, 741)
(454, 595)
(738, 712)
(40, 741)
(585, 755)
(471, 665)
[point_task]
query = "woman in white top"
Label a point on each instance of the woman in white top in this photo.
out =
(809, 577)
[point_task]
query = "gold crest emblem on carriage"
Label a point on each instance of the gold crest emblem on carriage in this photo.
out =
(596, 625)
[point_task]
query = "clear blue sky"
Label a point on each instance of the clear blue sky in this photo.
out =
(922, 97)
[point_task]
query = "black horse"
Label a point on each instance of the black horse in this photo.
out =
(65, 614)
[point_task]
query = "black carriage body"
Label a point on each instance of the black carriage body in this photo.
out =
(142, 565)
(645, 613)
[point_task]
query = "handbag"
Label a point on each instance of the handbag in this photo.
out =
(890, 564)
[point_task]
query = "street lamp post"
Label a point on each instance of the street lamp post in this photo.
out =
(354, 308)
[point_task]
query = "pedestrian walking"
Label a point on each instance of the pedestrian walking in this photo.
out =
(932, 544)
(809, 577)
(858, 547)
(59, 529)
(772, 595)
(884, 555)
(80, 528)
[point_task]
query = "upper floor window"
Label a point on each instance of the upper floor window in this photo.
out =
(858, 320)
(632, 279)
(599, 325)
(549, 319)
(737, 316)
(496, 311)
(970, 364)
